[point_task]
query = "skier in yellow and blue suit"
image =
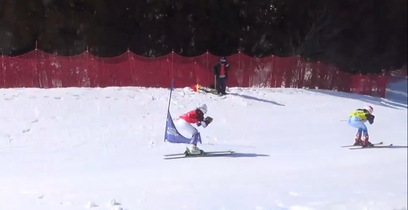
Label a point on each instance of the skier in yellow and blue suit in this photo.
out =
(357, 119)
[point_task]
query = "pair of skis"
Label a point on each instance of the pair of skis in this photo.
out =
(375, 146)
(203, 154)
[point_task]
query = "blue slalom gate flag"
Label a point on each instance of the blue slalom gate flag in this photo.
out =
(171, 134)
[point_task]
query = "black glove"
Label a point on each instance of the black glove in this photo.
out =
(208, 120)
(371, 119)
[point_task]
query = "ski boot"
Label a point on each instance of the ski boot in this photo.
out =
(358, 141)
(366, 143)
(194, 150)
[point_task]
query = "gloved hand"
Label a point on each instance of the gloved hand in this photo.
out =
(371, 119)
(208, 120)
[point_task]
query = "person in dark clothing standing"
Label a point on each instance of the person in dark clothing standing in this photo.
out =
(220, 71)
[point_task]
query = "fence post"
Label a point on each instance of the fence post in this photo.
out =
(37, 70)
(4, 71)
(208, 67)
(130, 66)
(271, 72)
(87, 72)
(172, 68)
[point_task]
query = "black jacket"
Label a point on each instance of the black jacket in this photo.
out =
(217, 68)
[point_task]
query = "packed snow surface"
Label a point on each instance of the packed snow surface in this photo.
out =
(103, 149)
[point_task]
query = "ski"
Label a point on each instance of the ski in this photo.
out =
(375, 144)
(208, 90)
(204, 154)
(373, 147)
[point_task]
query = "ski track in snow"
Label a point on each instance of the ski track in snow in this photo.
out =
(102, 148)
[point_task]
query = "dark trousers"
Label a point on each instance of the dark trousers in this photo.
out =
(221, 85)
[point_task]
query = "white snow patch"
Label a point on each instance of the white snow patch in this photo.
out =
(102, 148)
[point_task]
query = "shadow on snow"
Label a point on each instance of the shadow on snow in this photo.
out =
(238, 155)
(389, 103)
(395, 96)
(232, 155)
(381, 147)
(256, 99)
(398, 147)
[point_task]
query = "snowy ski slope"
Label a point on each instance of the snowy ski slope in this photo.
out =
(102, 149)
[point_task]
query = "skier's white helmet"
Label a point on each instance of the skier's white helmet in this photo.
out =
(370, 109)
(202, 107)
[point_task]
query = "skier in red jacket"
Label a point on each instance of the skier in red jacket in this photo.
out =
(184, 125)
